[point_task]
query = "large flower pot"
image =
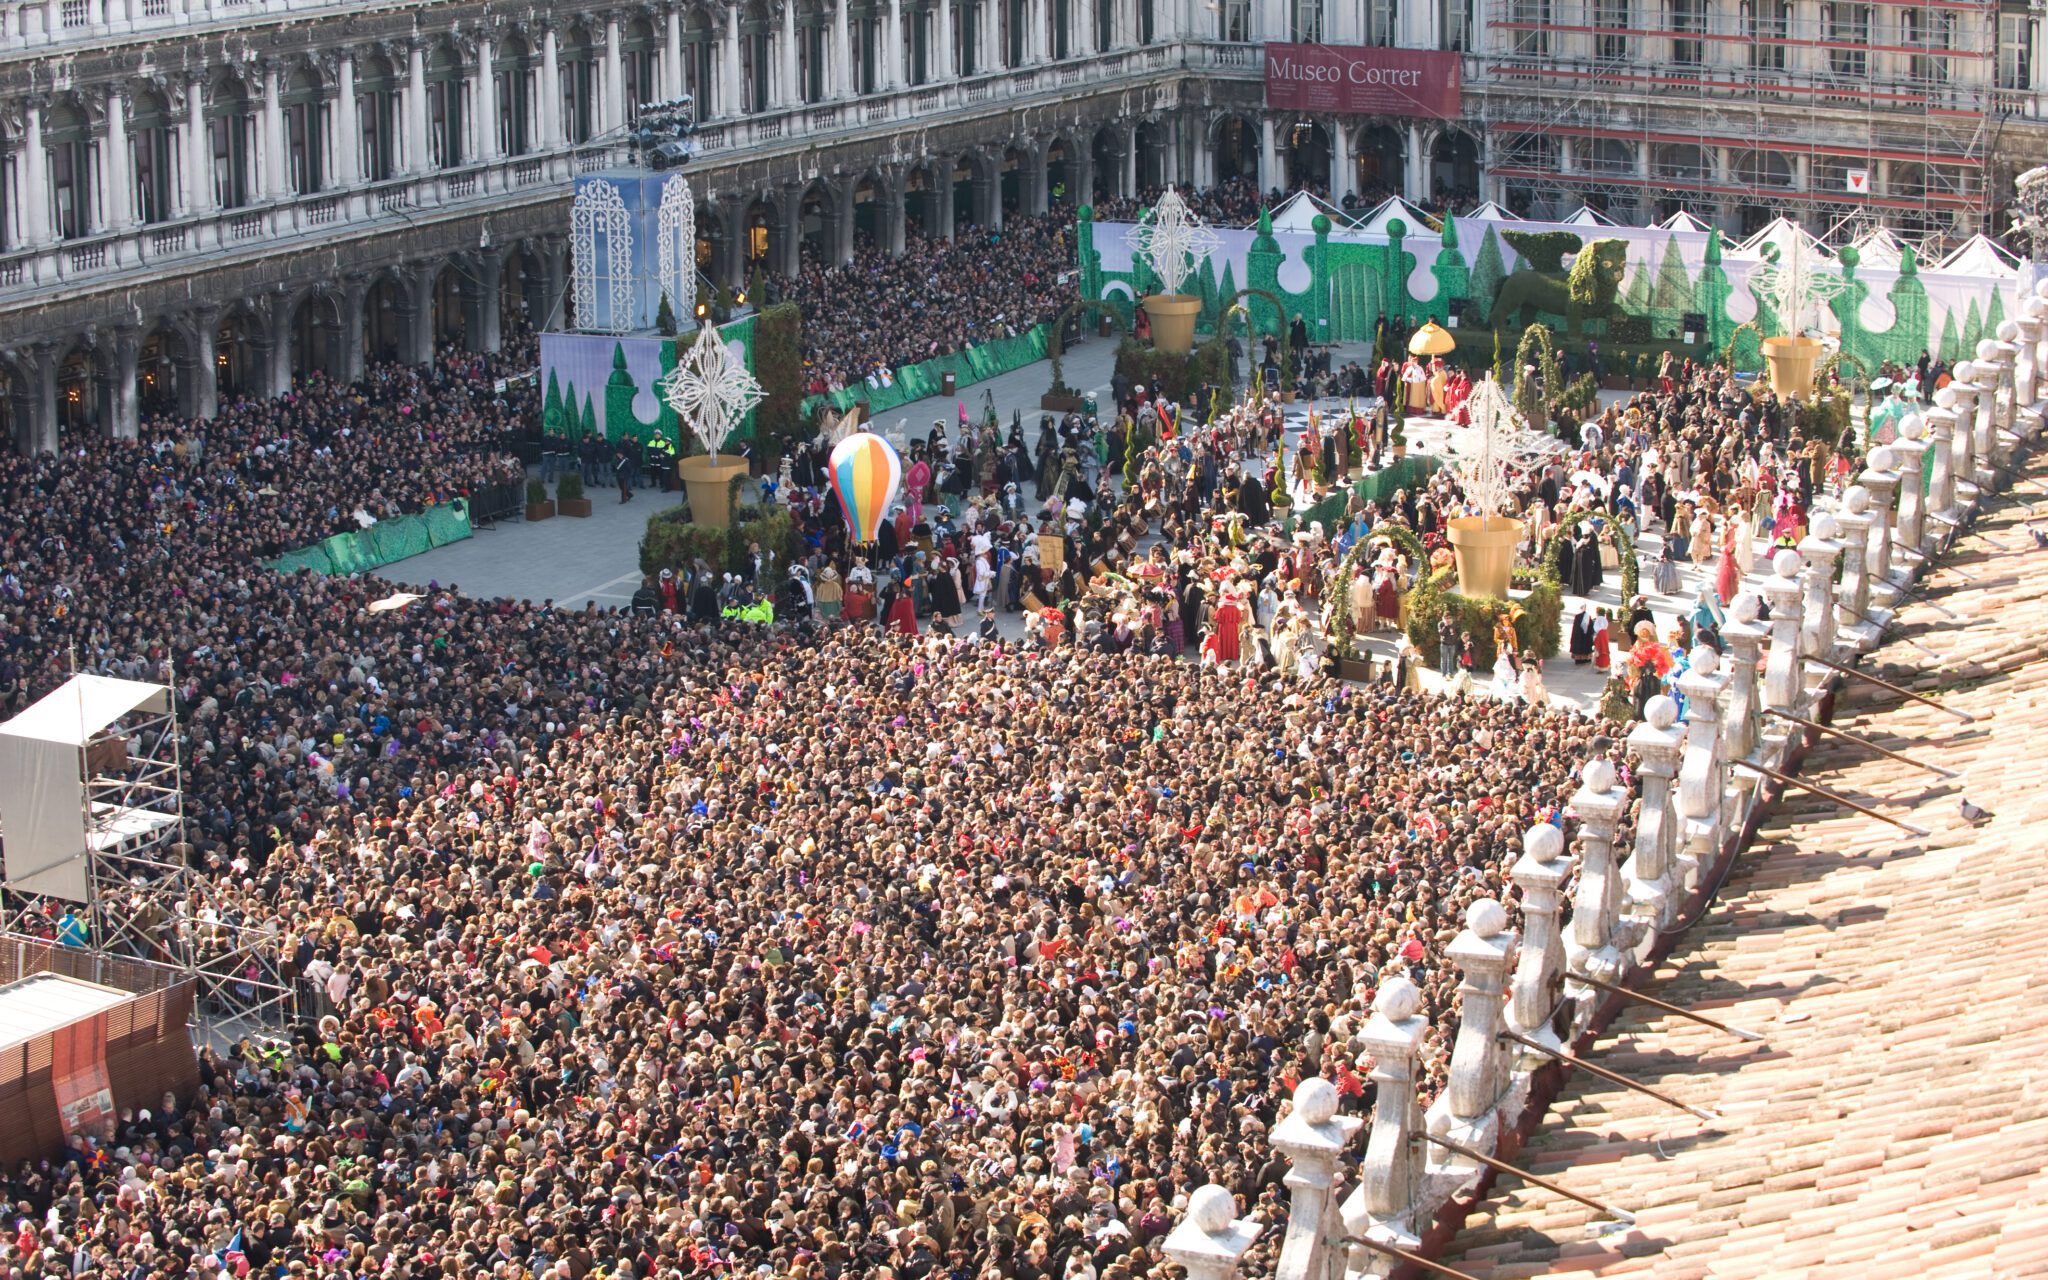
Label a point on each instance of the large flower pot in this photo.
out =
(1791, 362)
(1173, 321)
(709, 484)
(1484, 547)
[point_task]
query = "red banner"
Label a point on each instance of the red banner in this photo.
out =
(1391, 82)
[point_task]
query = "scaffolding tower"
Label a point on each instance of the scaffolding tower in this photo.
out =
(1842, 116)
(93, 853)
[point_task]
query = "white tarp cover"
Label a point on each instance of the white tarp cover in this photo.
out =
(1588, 216)
(1878, 247)
(46, 1002)
(1979, 256)
(42, 805)
(1299, 211)
(1683, 221)
(1490, 212)
(1415, 221)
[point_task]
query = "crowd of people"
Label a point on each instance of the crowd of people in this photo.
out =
(872, 942)
(866, 318)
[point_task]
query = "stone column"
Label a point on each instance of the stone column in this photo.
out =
(417, 157)
(1852, 601)
(894, 214)
(35, 401)
(1129, 160)
(35, 180)
(1467, 1112)
(487, 335)
(198, 152)
(1741, 722)
(1269, 156)
(550, 111)
(943, 167)
(416, 312)
(672, 53)
(941, 62)
(120, 203)
(1387, 1203)
(731, 82)
(1702, 775)
(1782, 589)
(204, 397)
(612, 102)
(348, 132)
(1539, 873)
(1881, 481)
(1313, 1138)
(1911, 450)
(1819, 550)
(1648, 871)
(1210, 1240)
(1596, 904)
(484, 99)
(842, 53)
(1954, 405)
(1342, 170)
(2026, 382)
(354, 291)
(127, 415)
(276, 176)
(1964, 396)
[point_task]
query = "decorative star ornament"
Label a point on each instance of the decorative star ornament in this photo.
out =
(1790, 279)
(1174, 241)
(710, 389)
(1504, 441)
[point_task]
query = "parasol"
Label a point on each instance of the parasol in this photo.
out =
(1432, 339)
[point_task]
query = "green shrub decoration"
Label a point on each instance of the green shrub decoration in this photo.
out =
(672, 542)
(1536, 631)
(570, 487)
(536, 492)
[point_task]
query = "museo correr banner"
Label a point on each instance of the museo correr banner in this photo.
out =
(1394, 82)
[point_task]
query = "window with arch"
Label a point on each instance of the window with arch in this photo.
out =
(1847, 26)
(67, 150)
(1305, 21)
(151, 130)
(1105, 24)
(1061, 14)
(514, 79)
(700, 50)
(578, 69)
(813, 33)
(1234, 21)
(305, 131)
(231, 133)
(1382, 18)
(1456, 16)
(1766, 24)
(1016, 30)
(2016, 50)
(637, 52)
(1688, 24)
(1531, 17)
(377, 117)
(865, 35)
(755, 52)
(1610, 20)
(445, 93)
(1148, 21)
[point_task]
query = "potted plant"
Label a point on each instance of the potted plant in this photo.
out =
(1061, 398)
(537, 505)
(1790, 282)
(1483, 544)
(710, 391)
(569, 499)
(1399, 438)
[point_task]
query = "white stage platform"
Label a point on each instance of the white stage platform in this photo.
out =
(44, 1002)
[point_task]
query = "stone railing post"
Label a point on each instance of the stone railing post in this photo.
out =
(2026, 383)
(1596, 904)
(1313, 1137)
(1741, 727)
(1468, 1110)
(1994, 420)
(1782, 590)
(1942, 437)
(1820, 551)
(1211, 1238)
(1702, 775)
(1387, 1204)
(1539, 873)
(1881, 482)
(1852, 597)
(1973, 397)
(1648, 870)
(1910, 528)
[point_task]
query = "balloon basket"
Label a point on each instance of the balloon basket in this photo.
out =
(708, 481)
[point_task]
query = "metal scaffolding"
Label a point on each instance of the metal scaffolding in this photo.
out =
(1842, 116)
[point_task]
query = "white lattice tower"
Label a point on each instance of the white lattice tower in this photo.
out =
(710, 389)
(676, 237)
(1174, 241)
(1790, 280)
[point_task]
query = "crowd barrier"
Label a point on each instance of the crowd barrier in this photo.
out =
(490, 503)
(916, 381)
(381, 543)
(1374, 486)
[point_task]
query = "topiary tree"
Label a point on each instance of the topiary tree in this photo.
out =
(1483, 286)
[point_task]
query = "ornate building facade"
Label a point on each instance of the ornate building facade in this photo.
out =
(206, 198)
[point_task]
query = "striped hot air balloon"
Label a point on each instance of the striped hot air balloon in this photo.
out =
(867, 473)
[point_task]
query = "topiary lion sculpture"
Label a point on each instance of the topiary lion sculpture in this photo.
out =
(1587, 292)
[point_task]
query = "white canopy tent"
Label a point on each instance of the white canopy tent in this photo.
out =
(43, 810)
(1490, 212)
(1878, 247)
(1415, 220)
(1684, 221)
(1300, 210)
(1981, 256)
(1588, 216)
(1782, 232)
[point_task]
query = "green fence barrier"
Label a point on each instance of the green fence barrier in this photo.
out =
(1402, 473)
(382, 543)
(917, 381)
